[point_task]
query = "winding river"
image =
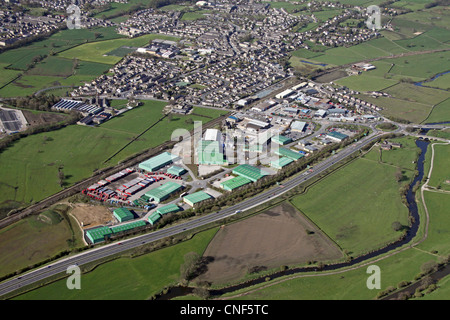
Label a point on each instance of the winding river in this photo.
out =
(410, 234)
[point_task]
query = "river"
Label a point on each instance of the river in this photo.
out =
(410, 234)
(420, 83)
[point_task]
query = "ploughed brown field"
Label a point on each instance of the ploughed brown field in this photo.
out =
(280, 236)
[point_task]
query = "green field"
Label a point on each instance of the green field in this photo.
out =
(98, 51)
(439, 229)
(34, 239)
(413, 103)
(7, 75)
(443, 82)
(442, 133)
(440, 113)
(351, 211)
(441, 169)
(344, 285)
(135, 279)
(22, 57)
(412, 93)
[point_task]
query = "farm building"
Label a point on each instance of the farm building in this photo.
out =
(336, 136)
(155, 216)
(128, 226)
(249, 172)
(235, 183)
(163, 192)
(178, 171)
(282, 140)
(98, 234)
(158, 162)
(284, 152)
(210, 152)
(168, 209)
(123, 214)
(281, 162)
(196, 197)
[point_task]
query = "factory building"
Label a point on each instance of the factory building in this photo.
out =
(158, 162)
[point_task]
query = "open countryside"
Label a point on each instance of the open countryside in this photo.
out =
(322, 150)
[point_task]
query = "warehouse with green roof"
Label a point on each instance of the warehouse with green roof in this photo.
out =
(280, 163)
(123, 214)
(336, 136)
(158, 162)
(281, 140)
(127, 226)
(155, 216)
(210, 153)
(249, 172)
(196, 198)
(168, 209)
(163, 192)
(98, 234)
(175, 170)
(284, 152)
(235, 183)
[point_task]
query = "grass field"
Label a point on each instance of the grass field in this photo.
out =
(439, 229)
(34, 239)
(441, 169)
(440, 113)
(345, 285)
(350, 210)
(443, 82)
(136, 279)
(443, 133)
(7, 75)
(98, 51)
(22, 57)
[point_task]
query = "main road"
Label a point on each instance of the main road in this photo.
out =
(103, 251)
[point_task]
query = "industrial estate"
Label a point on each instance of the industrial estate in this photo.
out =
(224, 145)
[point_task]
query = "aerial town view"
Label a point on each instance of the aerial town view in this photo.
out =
(224, 150)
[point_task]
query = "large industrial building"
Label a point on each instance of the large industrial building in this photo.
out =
(123, 214)
(158, 162)
(155, 216)
(170, 208)
(195, 198)
(298, 126)
(282, 140)
(235, 183)
(249, 172)
(163, 192)
(177, 171)
(98, 234)
(128, 226)
(281, 162)
(210, 153)
(210, 148)
(336, 136)
(284, 152)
